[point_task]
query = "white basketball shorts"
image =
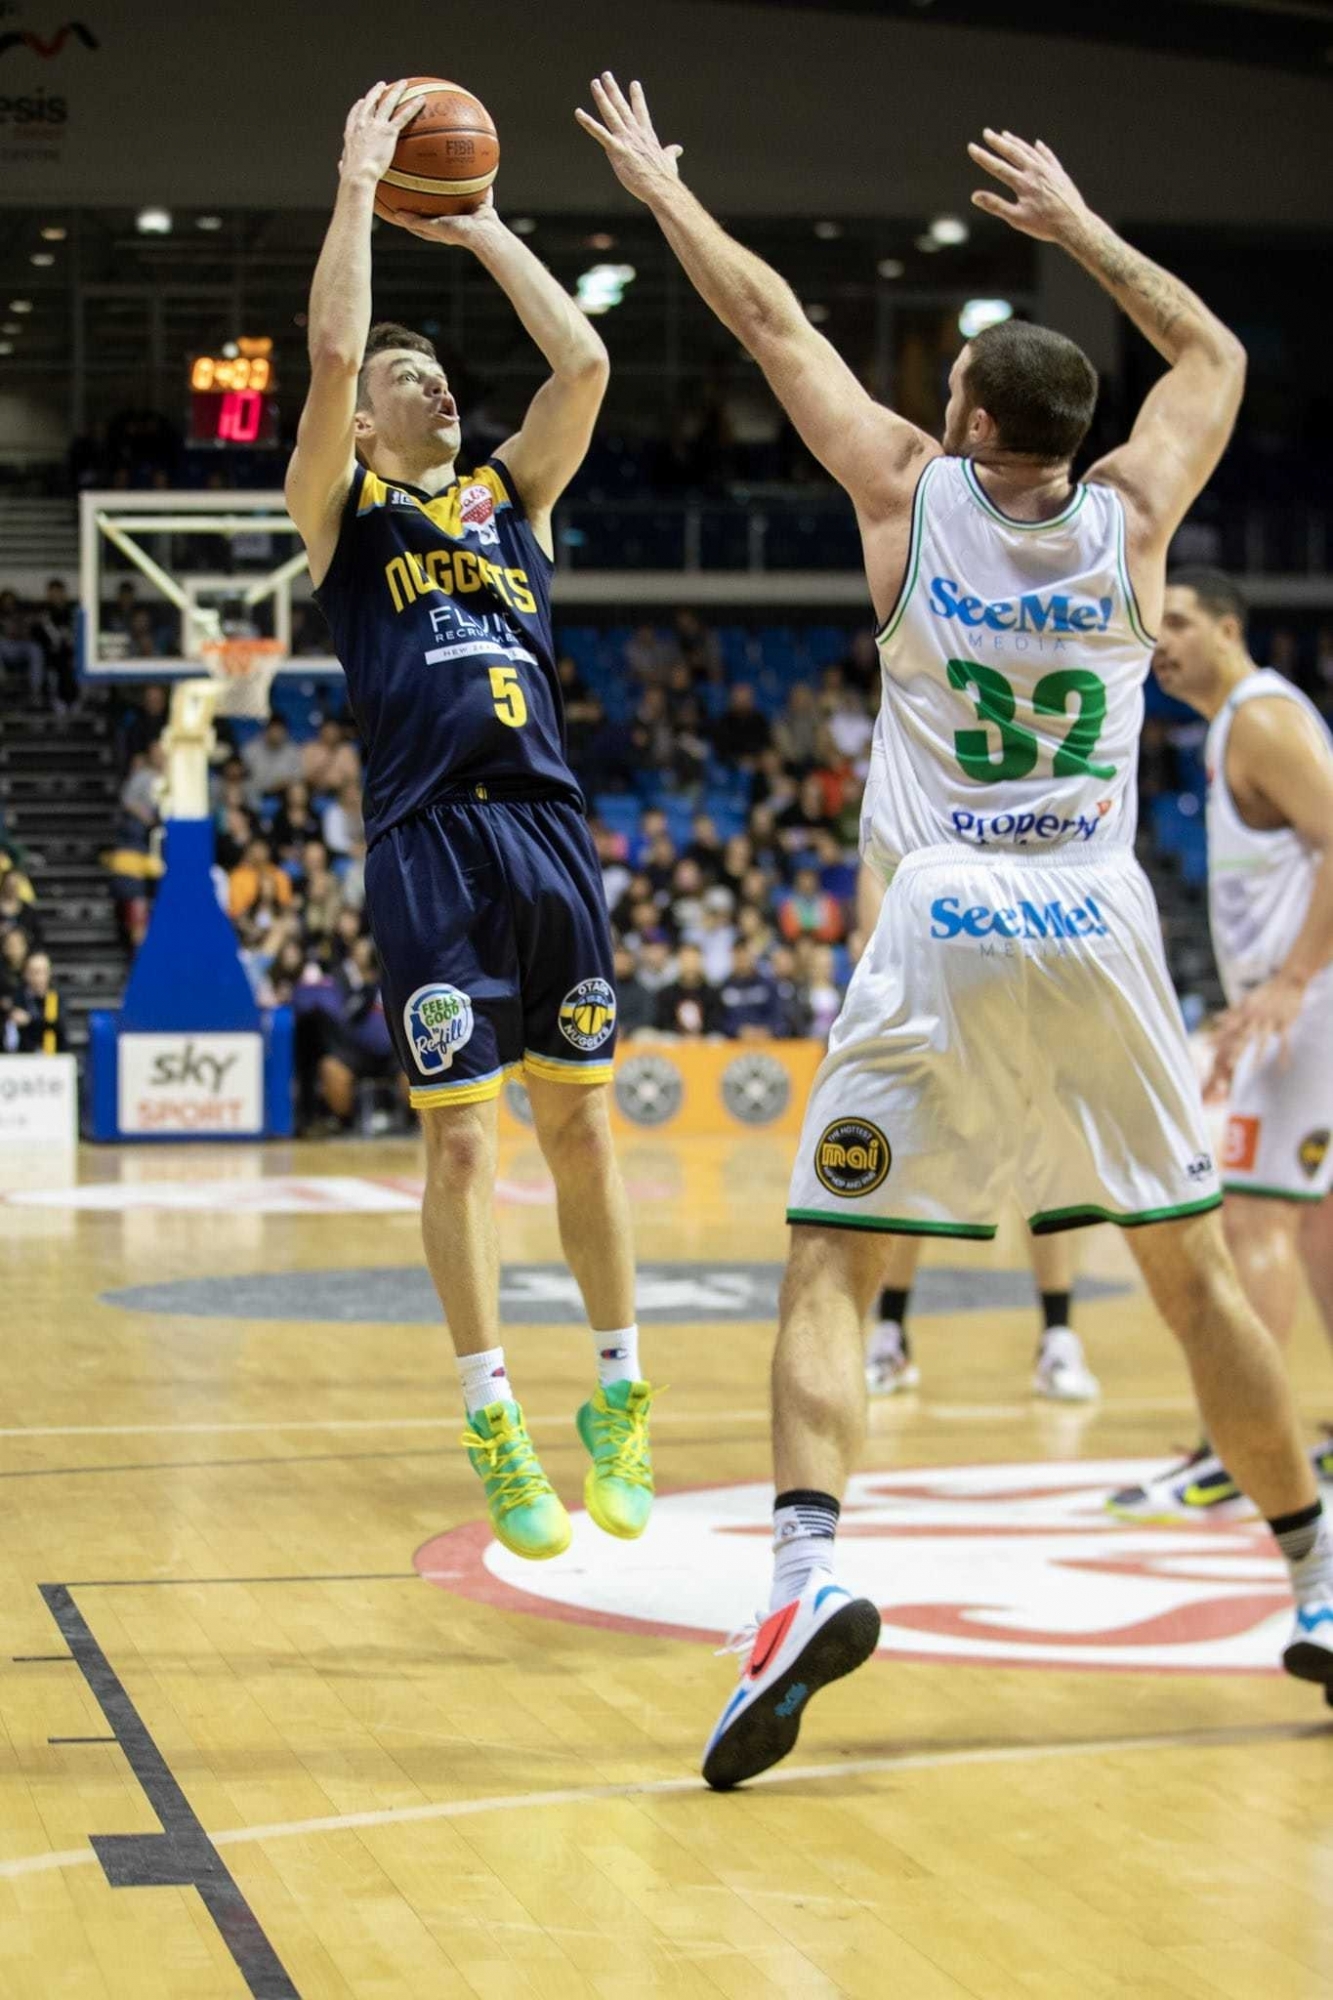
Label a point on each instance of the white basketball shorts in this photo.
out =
(1011, 1027)
(1279, 1131)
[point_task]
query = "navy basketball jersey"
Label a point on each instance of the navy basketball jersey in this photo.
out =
(440, 611)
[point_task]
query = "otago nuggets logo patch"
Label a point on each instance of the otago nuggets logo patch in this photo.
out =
(476, 507)
(852, 1157)
(1313, 1151)
(588, 1014)
(438, 1020)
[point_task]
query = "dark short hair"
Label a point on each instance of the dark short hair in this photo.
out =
(1218, 594)
(383, 336)
(1039, 389)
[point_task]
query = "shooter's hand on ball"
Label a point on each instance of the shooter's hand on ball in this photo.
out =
(641, 162)
(463, 231)
(1262, 1017)
(1046, 203)
(371, 132)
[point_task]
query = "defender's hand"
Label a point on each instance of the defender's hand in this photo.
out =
(641, 162)
(466, 231)
(1046, 203)
(1267, 1014)
(371, 131)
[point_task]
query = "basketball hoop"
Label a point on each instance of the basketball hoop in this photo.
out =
(244, 670)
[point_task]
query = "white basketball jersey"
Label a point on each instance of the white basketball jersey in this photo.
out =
(1014, 664)
(1258, 882)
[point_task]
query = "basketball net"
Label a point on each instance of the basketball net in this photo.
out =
(239, 679)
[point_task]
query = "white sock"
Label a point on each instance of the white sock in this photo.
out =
(886, 1340)
(617, 1355)
(483, 1379)
(1308, 1548)
(804, 1524)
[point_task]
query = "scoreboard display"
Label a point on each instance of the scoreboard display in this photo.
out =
(233, 396)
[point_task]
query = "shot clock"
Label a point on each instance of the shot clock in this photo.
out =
(233, 398)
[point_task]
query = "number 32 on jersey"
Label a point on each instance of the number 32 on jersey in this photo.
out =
(995, 703)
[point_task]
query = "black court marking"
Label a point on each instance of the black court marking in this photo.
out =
(222, 1464)
(182, 1856)
(196, 1582)
(81, 1739)
(42, 1659)
(683, 1293)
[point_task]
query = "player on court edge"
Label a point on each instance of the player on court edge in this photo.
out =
(1011, 1024)
(482, 885)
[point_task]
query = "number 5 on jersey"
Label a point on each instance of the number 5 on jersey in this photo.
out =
(510, 703)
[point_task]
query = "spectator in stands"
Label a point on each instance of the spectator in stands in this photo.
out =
(343, 826)
(705, 846)
(19, 650)
(749, 996)
(352, 876)
(636, 1004)
(754, 930)
(651, 739)
(146, 721)
(837, 868)
(807, 911)
(657, 965)
(796, 729)
(54, 633)
(598, 751)
(742, 732)
(146, 639)
(691, 751)
(690, 1006)
(736, 860)
(358, 1045)
(653, 824)
(698, 648)
(232, 834)
(119, 615)
(659, 864)
(861, 667)
(686, 906)
(272, 762)
(35, 1023)
(257, 879)
(17, 903)
(142, 789)
(792, 1013)
(639, 920)
(611, 852)
(806, 815)
(14, 949)
(765, 840)
(330, 760)
(649, 656)
(294, 823)
(716, 933)
(321, 895)
(851, 728)
(818, 987)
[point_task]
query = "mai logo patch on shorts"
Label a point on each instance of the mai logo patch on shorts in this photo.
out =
(1312, 1152)
(852, 1157)
(1240, 1147)
(588, 1014)
(438, 1021)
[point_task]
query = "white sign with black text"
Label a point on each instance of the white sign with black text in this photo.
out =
(191, 1085)
(39, 1101)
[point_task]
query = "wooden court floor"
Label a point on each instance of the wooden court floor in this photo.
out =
(275, 1721)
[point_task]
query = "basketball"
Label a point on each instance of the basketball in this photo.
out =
(446, 157)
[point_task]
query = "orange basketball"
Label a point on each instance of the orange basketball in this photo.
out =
(446, 156)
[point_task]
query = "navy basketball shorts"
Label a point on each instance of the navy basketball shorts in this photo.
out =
(495, 949)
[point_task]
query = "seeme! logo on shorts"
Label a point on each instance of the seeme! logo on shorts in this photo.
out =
(1028, 921)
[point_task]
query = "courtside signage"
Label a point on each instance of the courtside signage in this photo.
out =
(39, 1101)
(190, 1084)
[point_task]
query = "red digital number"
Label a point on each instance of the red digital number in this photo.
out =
(241, 416)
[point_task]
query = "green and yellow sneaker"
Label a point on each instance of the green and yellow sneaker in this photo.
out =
(526, 1511)
(618, 1491)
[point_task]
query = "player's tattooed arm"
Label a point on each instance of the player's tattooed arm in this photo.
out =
(1187, 416)
(874, 454)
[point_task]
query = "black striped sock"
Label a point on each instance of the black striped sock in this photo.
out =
(1296, 1534)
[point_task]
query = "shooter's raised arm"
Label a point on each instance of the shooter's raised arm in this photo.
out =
(338, 322)
(546, 452)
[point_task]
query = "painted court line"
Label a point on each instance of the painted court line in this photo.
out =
(1134, 1405)
(1241, 1737)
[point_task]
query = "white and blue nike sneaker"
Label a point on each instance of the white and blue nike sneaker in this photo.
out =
(1309, 1654)
(792, 1653)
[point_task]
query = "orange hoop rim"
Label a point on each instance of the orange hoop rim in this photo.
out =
(233, 658)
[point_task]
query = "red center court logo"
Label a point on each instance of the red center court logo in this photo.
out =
(1015, 1565)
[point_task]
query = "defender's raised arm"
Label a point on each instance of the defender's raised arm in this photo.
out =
(874, 454)
(1188, 416)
